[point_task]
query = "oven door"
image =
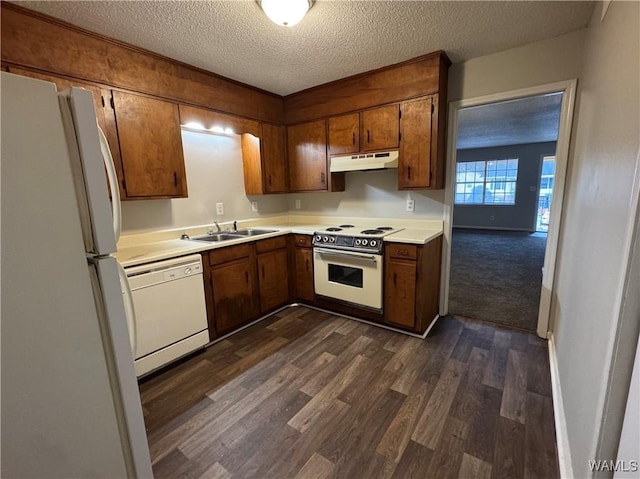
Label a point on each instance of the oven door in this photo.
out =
(348, 276)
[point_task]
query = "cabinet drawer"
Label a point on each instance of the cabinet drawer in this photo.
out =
(401, 250)
(230, 253)
(302, 240)
(271, 244)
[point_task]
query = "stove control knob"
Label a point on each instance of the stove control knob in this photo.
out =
(365, 242)
(358, 242)
(325, 239)
(332, 239)
(373, 243)
(318, 238)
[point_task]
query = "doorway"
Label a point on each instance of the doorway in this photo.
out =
(566, 92)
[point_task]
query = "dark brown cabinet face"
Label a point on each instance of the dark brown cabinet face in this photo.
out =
(274, 158)
(417, 163)
(273, 278)
(304, 274)
(151, 146)
(400, 292)
(344, 134)
(379, 128)
(233, 294)
(307, 148)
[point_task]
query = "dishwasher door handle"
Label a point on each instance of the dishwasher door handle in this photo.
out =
(129, 309)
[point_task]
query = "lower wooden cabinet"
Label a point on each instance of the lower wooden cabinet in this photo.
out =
(303, 266)
(412, 284)
(273, 279)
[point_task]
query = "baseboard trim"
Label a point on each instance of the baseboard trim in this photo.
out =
(562, 438)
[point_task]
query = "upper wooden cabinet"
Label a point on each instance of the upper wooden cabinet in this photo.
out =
(264, 161)
(307, 148)
(150, 146)
(344, 134)
(104, 117)
(421, 162)
(379, 128)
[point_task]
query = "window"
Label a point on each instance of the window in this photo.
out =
(491, 182)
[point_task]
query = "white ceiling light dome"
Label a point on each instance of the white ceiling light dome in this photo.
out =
(286, 13)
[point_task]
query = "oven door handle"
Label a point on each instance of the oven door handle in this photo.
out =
(325, 252)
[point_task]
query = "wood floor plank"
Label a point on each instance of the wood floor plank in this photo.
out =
(316, 468)
(414, 463)
(448, 453)
(398, 434)
(215, 428)
(226, 412)
(497, 367)
(538, 371)
(318, 382)
(216, 471)
(314, 410)
(540, 453)
(431, 422)
(514, 396)
(509, 452)
(484, 426)
(474, 468)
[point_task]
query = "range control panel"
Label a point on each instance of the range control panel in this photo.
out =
(348, 243)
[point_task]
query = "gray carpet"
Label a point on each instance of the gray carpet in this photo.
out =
(496, 276)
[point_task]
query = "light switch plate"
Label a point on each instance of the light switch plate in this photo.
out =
(298, 204)
(219, 208)
(254, 206)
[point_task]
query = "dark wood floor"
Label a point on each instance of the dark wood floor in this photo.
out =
(309, 394)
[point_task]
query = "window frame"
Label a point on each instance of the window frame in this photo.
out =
(487, 179)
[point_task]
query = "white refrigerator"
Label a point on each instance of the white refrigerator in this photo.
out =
(70, 404)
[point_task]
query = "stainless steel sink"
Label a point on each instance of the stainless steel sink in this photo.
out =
(252, 232)
(216, 237)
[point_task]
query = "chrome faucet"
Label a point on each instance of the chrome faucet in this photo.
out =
(217, 226)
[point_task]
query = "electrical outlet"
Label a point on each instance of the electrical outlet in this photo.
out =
(492, 218)
(219, 209)
(411, 204)
(254, 206)
(298, 204)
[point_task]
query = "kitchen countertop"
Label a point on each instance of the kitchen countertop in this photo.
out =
(147, 251)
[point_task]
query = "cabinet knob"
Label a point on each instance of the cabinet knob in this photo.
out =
(353, 138)
(395, 277)
(408, 172)
(322, 177)
(175, 178)
(368, 136)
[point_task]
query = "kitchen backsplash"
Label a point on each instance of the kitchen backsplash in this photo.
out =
(214, 175)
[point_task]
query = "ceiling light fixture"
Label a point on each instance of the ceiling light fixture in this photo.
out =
(286, 13)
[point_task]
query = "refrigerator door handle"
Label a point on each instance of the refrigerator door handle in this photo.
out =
(113, 183)
(129, 309)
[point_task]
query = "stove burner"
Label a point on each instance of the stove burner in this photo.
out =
(334, 229)
(384, 228)
(372, 232)
(346, 226)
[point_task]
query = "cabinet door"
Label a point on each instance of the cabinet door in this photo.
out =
(415, 163)
(107, 126)
(304, 274)
(274, 158)
(151, 146)
(233, 295)
(273, 279)
(400, 292)
(307, 148)
(344, 134)
(379, 128)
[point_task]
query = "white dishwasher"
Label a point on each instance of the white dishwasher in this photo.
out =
(169, 316)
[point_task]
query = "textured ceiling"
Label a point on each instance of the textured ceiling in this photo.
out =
(336, 39)
(527, 120)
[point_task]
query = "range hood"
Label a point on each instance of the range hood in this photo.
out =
(365, 161)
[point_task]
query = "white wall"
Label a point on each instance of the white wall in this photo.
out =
(594, 242)
(214, 174)
(539, 63)
(371, 194)
(521, 216)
